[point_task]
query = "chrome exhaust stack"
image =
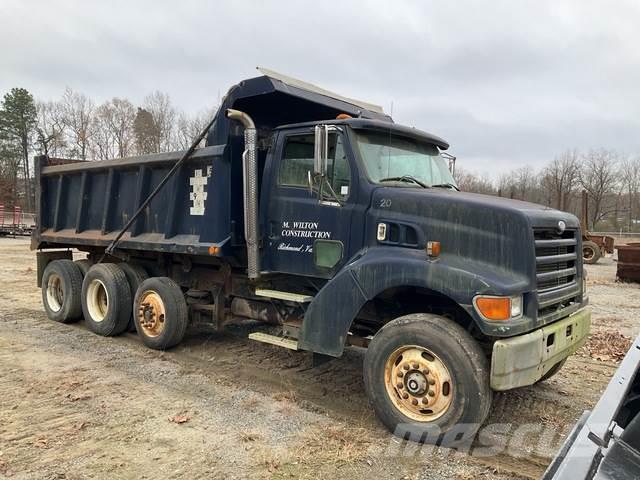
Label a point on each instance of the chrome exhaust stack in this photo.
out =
(250, 189)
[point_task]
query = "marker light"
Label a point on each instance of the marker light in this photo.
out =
(499, 308)
(433, 249)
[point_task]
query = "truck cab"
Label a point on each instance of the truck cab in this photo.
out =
(321, 217)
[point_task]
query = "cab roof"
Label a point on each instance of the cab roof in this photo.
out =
(380, 126)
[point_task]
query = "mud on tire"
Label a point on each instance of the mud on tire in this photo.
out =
(62, 290)
(442, 360)
(106, 299)
(161, 314)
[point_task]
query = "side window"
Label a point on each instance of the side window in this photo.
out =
(338, 170)
(297, 162)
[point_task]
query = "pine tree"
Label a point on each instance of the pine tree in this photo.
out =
(18, 117)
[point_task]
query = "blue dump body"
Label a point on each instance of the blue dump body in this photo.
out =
(87, 203)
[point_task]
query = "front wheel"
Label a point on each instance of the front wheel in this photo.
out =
(424, 375)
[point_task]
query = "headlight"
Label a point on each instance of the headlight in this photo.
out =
(516, 306)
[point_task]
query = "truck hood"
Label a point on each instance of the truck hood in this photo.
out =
(494, 231)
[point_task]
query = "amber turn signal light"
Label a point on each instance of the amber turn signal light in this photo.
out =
(494, 308)
(214, 250)
(433, 249)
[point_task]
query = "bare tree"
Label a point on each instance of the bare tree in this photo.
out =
(188, 128)
(159, 105)
(598, 178)
(50, 129)
(78, 111)
(560, 178)
(629, 174)
(470, 182)
(113, 129)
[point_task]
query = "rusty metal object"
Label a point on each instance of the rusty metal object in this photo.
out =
(418, 383)
(256, 310)
(151, 314)
(629, 262)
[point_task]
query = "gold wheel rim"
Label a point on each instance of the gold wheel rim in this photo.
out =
(151, 314)
(418, 383)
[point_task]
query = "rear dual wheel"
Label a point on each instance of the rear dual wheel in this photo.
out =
(160, 313)
(61, 291)
(106, 299)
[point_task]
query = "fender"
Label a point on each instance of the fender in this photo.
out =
(330, 314)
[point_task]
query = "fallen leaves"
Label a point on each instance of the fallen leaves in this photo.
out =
(608, 346)
(41, 442)
(180, 418)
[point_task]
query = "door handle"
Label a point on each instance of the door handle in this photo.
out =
(273, 228)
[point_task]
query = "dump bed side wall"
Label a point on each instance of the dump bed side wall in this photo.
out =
(88, 203)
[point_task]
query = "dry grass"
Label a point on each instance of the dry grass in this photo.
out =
(334, 443)
(250, 436)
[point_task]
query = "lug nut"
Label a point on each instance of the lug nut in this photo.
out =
(414, 401)
(432, 381)
(405, 395)
(432, 393)
(415, 366)
(405, 366)
(399, 385)
(425, 400)
(400, 374)
(425, 371)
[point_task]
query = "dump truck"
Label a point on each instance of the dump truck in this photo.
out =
(323, 225)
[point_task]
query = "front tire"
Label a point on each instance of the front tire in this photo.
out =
(62, 291)
(424, 374)
(161, 314)
(106, 299)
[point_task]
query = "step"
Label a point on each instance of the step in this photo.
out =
(274, 340)
(291, 297)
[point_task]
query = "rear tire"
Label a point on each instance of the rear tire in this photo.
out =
(106, 299)
(84, 265)
(62, 291)
(424, 375)
(590, 252)
(161, 314)
(135, 276)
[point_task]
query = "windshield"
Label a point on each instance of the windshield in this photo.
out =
(392, 158)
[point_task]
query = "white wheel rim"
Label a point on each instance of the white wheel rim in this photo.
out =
(97, 300)
(55, 293)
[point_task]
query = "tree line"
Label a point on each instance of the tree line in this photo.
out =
(75, 127)
(611, 180)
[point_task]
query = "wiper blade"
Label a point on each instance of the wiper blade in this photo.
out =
(445, 185)
(405, 178)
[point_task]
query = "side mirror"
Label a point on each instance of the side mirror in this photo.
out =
(321, 150)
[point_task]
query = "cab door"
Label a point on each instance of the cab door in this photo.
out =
(308, 225)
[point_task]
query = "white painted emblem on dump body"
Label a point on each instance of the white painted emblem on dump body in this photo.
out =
(198, 193)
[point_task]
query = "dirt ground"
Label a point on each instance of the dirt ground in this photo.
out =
(75, 405)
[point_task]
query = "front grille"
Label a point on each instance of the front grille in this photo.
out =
(556, 269)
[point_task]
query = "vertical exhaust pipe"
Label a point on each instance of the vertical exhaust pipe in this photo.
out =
(250, 189)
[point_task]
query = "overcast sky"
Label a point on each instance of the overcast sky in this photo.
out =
(507, 83)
